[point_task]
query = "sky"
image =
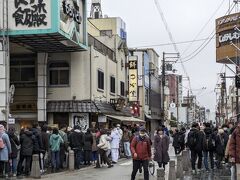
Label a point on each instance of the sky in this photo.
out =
(185, 19)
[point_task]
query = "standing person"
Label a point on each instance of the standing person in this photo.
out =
(103, 147)
(15, 149)
(37, 139)
(88, 141)
(208, 146)
(45, 148)
(126, 141)
(26, 151)
(165, 130)
(176, 141)
(94, 147)
(221, 143)
(5, 150)
(55, 142)
(63, 146)
(161, 146)
(141, 151)
(76, 144)
(116, 137)
(195, 143)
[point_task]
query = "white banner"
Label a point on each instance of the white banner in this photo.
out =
(82, 120)
(133, 78)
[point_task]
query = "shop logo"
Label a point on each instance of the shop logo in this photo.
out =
(72, 12)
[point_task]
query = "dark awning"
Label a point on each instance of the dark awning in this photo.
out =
(71, 106)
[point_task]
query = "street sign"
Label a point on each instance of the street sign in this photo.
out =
(11, 120)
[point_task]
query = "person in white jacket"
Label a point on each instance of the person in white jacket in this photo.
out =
(103, 147)
(116, 137)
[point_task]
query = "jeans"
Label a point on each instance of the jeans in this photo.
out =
(194, 156)
(78, 158)
(13, 168)
(136, 165)
(210, 155)
(28, 160)
(127, 149)
(55, 159)
(94, 156)
(104, 156)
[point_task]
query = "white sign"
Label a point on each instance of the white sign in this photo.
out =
(11, 120)
(231, 36)
(82, 120)
(133, 79)
(102, 119)
(29, 14)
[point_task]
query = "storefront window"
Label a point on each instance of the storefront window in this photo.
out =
(59, 74)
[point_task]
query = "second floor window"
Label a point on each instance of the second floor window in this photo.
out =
(100, 80)
(112, 84)
(22, 71)
(122, 93)
(59, 74)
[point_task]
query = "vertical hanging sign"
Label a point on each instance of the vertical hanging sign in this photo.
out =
(133, 78)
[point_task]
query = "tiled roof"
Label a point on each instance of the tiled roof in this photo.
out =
(71, 106)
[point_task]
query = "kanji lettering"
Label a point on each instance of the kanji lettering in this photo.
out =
(30, 13)
(132, 65)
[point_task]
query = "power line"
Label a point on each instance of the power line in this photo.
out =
(167, 44)
(205, 43)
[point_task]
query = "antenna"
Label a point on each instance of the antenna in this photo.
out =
(96, 10)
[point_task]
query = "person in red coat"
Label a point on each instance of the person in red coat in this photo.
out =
(141, 153)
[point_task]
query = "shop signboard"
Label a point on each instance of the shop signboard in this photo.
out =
(82, 120)
(227, 38)
(62, 19)
(133, 78)
(102, 119)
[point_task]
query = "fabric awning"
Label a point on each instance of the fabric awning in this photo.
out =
(126, 119)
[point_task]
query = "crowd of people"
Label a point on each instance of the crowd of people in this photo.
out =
(52, 145)
(209, 145)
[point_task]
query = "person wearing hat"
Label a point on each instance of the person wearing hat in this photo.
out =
(116, 137)
(141, 153)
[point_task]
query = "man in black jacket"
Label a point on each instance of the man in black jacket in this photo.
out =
(208, 146)
(76, 144)
(195, 143)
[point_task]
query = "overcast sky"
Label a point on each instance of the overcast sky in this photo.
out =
(185, 18)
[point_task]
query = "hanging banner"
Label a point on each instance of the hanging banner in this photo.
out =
(133, 78)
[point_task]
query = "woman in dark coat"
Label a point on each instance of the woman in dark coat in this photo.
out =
(88, 141)
(161, 146)
(15, 149)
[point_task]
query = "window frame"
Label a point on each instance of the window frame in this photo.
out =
(58, 69)
(112, 77)
(98, 83)
(20, 67)
(122, 89)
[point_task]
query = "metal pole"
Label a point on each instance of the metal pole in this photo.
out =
(188, 108)
(163, 86)
(177, 101)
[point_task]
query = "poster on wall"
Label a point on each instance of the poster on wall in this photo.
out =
(82, 120)
(71, 19)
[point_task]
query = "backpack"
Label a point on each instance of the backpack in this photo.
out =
(192, 140)
(210, 143)
(2, 145)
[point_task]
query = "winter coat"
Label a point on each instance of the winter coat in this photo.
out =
(26, 142)
(88, 141)
(199, 139)
(221, 143)
(103, 144)
(37, 141)
(76, 140)
(126, 136)
(116, 137)
(161, 146)
(55, 142)
(4, 153)
(178, 140)
(94, 144)
(234, 146)
(14, 145)
(45, 141)
(209, 140)
(142, 147)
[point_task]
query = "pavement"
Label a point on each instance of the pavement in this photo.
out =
(122, 171)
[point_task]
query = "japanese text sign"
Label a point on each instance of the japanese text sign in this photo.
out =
(133, 79)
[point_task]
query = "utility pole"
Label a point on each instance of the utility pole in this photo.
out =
(177, 100)
(163, 87)
(188, 108)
